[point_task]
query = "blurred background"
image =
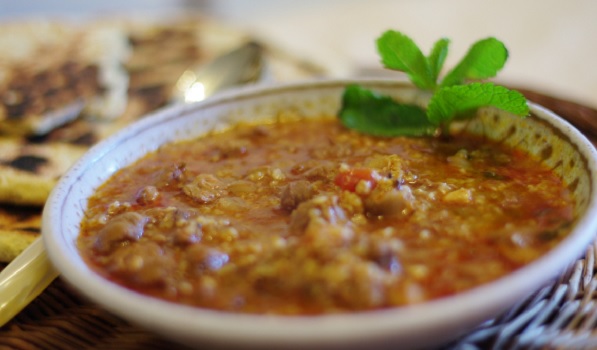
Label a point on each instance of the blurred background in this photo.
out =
(552, 43)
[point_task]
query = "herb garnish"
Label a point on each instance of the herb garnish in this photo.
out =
(456, 96)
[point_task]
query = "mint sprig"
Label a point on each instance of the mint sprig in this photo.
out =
(438, 55)
(460, 100)
(401, 53)
(384, 116)
(483, 60)
(455, 97)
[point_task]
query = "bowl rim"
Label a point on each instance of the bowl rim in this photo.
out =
(419, 320)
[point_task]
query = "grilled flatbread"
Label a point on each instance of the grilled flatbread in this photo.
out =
(29, 171)
(36, 146)
(19, 226)
(47, 83)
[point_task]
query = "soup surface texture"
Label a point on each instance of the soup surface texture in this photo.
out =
(308, 217)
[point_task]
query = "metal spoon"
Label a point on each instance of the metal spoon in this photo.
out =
(241, 66)
(30, 273)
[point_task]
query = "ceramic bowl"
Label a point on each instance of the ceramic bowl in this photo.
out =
(544, 134)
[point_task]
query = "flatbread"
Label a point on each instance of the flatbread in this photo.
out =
(19, 227)
(37, 148)
(45, 84)
(29, 171)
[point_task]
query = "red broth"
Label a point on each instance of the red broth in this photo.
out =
(307, 217)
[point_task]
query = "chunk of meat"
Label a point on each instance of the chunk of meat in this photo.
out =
(231, 149)
(318, 208)
(313, 169)
(390, 165)
(144, 263)
(321, 222)
(203, 258)
(122, 228)
(321, 172)
(295, 193)
(339, 280)
(389, 201)
(187, 233)
(205, 188)
(384, 252)
(171, 175)
(366, 288)
(147, 195)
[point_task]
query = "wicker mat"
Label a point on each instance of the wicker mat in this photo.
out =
(561, 315)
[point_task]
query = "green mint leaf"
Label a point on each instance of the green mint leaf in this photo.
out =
(455, 98)
(374, 114)
(437, 57)
(399, 52)
(483, 60)
(449, 102)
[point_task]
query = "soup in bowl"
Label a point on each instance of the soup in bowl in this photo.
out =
(256, 219)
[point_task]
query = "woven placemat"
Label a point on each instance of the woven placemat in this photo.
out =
(561, 315)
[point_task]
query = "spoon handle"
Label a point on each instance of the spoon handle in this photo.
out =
(24, 279)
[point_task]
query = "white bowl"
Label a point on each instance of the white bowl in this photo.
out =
(430, 323)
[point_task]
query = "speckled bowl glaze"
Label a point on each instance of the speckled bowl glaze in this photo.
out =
(544, 134)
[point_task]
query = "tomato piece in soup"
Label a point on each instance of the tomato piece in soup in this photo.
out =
(348, 180)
